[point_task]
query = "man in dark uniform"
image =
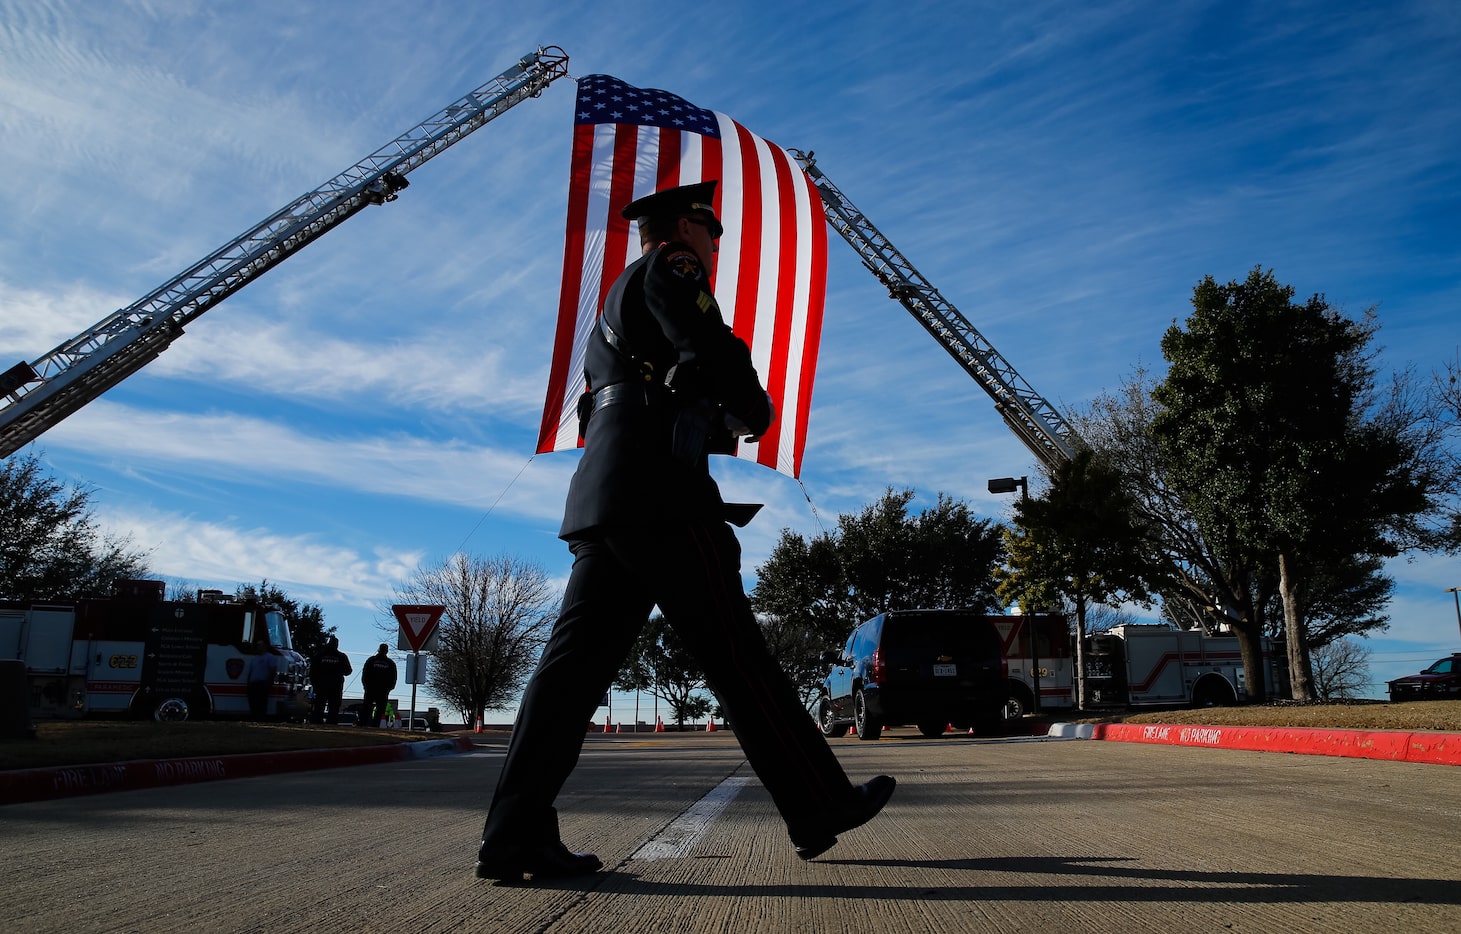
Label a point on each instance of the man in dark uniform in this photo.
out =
(647, 526)
(327, 675)
(378, 678)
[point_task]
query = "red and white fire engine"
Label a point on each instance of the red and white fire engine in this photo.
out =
(1147, 665)
(137, 654)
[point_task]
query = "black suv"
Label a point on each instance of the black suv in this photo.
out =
(932, 668)
(1441, 680)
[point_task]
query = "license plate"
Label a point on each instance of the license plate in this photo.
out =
(945, 671)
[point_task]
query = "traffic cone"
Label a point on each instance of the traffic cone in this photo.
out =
(852, 730)
(479, 725)
(710, 727)
(659, 724)
(619, 728)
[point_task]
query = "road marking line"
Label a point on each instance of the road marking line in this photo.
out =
(675, 841)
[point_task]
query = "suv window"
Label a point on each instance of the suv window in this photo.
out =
(929, 636)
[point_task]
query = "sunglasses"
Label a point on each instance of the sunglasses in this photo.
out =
(712, 225)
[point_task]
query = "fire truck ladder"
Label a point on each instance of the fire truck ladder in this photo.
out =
(35, 396)
(1034, 420)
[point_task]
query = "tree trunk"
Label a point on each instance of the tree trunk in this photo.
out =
(1301, 676)
(1248, 628)
(1250, 646)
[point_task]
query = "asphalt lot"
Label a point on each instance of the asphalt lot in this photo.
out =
(983, 835)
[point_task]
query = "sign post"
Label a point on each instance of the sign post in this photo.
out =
(418, 631)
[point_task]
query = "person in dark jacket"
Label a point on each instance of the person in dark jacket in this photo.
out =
(644, 519)
(378, 678)
(327, 673)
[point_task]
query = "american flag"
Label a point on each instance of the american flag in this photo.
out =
(771, 271)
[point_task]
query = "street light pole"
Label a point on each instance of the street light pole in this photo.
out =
(1009, 485)
(1456, 593)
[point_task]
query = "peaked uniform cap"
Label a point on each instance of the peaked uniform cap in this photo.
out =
(671, 201)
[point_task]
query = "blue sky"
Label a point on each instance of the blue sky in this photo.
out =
(1063, 173)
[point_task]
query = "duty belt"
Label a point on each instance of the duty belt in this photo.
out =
(614, 393)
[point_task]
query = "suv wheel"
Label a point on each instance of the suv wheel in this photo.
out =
(827, 719)
(868, 727)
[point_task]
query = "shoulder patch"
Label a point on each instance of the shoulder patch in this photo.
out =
(683, 263)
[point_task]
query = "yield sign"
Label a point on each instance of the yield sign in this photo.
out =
(418, 623)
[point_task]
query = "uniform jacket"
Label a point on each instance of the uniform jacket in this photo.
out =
(330, 668)
(663, 313)
(378, 674)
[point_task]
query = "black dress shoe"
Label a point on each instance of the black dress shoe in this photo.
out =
(544, 861)
(867, 801)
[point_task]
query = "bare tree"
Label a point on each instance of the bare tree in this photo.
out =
(499, 613)
(1341, 669)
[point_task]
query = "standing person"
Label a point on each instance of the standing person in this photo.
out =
(260, 673)
(647, 526)
(378, 677)
(327, 672)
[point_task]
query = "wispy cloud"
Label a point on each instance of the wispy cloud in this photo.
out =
(235, 448)
(212, 553)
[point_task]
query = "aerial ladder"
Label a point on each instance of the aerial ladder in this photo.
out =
(35, 395)
(1033, 420)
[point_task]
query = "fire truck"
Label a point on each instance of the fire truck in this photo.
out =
(136, 654)
(1037, 648)
(1139, 665)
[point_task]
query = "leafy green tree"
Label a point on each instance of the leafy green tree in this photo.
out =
(1083, 540)
(1272, 431)
(803, 605)
(50, 545)
(659, 664)
(942, 557)
(306, 620)
(1208, 581)
(499, 614)
(810, 593)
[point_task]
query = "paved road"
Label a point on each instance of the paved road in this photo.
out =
(983, 835)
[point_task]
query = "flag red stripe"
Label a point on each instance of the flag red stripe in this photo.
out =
(580, 168)
(621, 192)
(815, 305)
(751, 233)
(785, 298)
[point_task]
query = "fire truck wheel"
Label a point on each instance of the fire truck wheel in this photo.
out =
(1212, 692)
(869, 728)
(172, 710)
(1018, 703)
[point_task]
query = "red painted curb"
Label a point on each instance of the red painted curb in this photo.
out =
(45, 784)
(1392, 745)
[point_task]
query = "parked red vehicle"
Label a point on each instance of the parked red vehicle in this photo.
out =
(1438, 682)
